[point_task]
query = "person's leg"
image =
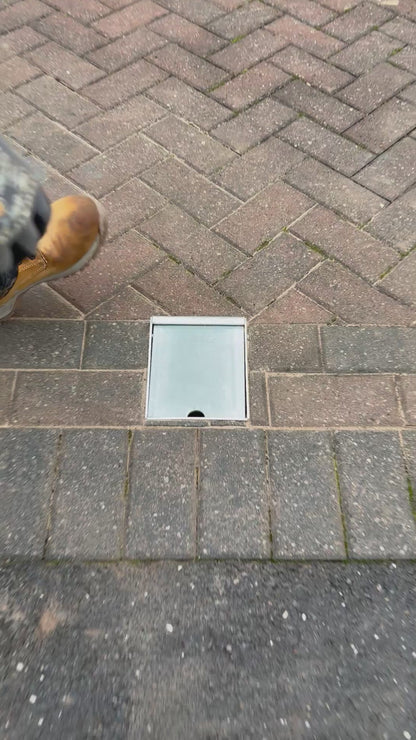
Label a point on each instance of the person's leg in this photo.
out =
(76, 229)
(25, 242)
(39, 242)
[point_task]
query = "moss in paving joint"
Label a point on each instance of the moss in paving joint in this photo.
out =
(236, 39)
(215, 87)
(315, 248)
(225, 274)
(343, 521)
(385, 273)
(51, 502)
(395, 51)
(261, 246)
(174, 259)
(406, 254)
(231, 300)
(267, 461)
(412, 498)
(126, 489)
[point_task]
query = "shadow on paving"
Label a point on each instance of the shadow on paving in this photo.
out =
(208, 651)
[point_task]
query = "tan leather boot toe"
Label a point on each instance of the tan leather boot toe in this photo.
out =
(76, 229)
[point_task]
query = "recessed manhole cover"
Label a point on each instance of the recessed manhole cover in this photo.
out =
(197, 368)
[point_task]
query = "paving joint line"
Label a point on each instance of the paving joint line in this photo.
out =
(63, 561)
(399, 399)
(227, 427)
(52, 497)
(269, 493)
(197, 490)
(411, 492)
(126, 496)
(83, 342)
(342, 511)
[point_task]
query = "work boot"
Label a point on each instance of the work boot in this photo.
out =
(76, 229)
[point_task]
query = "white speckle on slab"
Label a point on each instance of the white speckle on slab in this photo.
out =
(169, 628)
(40, 721)
(32, 698)
(304, 617)
(407, 735)
(19, 667)
(354, 650)
(285, 614)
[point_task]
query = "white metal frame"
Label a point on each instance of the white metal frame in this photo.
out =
(198, 321)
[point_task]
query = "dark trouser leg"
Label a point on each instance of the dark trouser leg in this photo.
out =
(26, 240)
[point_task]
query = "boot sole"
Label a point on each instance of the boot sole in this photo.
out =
(8, 307)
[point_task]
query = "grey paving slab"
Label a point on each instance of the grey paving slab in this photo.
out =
(407, 388)
(6, 387)
(162, 498)
(284, 348)
(333, 401)
(233, 505)
(259, 415)
(116, 345)
(355, 349)
(27, 459)
(305, 511)
(375, 495)
(216, 650)
(88, 513)
(78, 398)
(40, 344)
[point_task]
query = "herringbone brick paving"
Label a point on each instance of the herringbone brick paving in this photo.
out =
(253, 119)
(255, 158)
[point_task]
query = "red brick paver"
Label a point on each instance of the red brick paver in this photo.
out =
(255, 158)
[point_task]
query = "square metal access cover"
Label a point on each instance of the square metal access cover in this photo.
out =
(197, 368)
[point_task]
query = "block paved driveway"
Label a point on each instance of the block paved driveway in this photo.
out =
(255, 158)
